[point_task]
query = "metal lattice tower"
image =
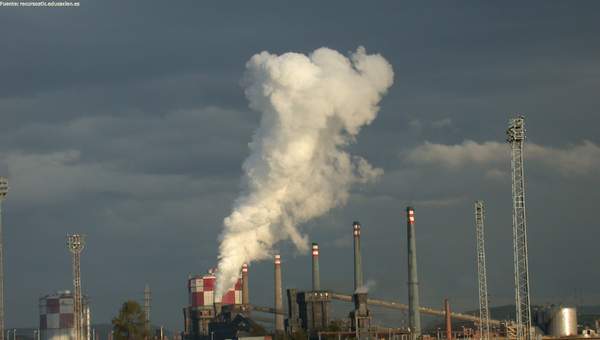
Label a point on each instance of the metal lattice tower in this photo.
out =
(3, 193)
(75, 244)
(484, 312)
(516, 137)
(147, 300)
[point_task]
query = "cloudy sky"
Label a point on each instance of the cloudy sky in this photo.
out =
(126, 121)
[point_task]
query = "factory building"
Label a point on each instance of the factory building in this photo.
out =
(310, 311)
(203, 306)
(231, 324)
(57, 317)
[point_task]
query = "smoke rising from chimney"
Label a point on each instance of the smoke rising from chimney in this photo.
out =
(366, 287)
(312, 106)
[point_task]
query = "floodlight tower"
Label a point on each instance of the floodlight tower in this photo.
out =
(516, 138)
(484, 312)
(3, 193)
(75, 244)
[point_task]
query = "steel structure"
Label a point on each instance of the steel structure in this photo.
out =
(516, 138)
(147, 300)
(3, 193)
(484, 312)
(75, 244)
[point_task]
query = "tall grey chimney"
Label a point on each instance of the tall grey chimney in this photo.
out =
(414, 318)
(316, 278)
(358, 275)
(278, 296)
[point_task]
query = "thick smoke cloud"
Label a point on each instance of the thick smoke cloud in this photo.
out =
(312, 108)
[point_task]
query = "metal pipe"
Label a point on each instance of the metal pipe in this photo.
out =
(448, 320)
(316, 278)
(358, 275)
(245, 289)
(264, 309)
(278, 296)
(402, 306)
(414, 318)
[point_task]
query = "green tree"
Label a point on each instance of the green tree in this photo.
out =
(130, 323)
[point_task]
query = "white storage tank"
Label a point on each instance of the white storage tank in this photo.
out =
(562, 321)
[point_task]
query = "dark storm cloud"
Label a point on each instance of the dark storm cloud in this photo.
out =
(126, 121)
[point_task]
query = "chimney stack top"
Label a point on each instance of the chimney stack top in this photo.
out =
(356, 228)
(410, 214)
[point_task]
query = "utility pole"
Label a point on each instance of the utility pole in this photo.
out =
(3, 193)
(516, 138)
(75, 244)
(484, 312)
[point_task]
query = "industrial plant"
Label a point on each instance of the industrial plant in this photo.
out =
(66, 315)
(309, 313)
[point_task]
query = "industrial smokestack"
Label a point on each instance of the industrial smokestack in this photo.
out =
(448, 320)
(358, 276)
(245, 291)
(414, 318)
(316, 278)
(278, 296)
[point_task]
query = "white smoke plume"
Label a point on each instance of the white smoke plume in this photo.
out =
(366, 287)
(312, 108)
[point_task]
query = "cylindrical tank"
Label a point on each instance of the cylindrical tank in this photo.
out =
(563, 321)
(56, 316)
